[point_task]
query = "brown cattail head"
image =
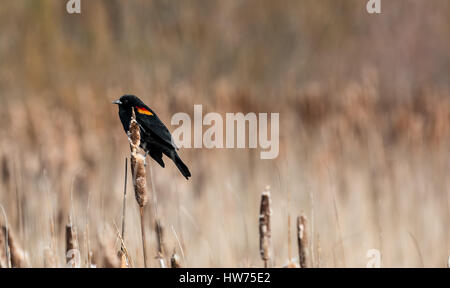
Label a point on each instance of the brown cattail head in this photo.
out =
(302, 241)
(140, 182)
(264, 226)
(134, 133)
(175, 261)
(73, 256)
(137, 163)
(15, 252)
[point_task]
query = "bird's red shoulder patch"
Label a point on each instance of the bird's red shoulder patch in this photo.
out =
(143, 110)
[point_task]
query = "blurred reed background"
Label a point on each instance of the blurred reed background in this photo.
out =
(364, 126)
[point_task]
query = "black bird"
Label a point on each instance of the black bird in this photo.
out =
(156, 139)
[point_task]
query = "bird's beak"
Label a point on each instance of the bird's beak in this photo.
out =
(117, 102)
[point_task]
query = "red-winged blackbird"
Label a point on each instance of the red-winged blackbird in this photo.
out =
(156, 139)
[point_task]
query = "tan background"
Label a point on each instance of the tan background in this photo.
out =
(364, 125)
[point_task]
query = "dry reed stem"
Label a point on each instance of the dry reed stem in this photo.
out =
(124, 198)
(139, 179)
(86, 235)
(264, 227)
(16, 253)
(302, 239)
(124, 256)
(144, 245)
(289, 223)
(88, 246)
(289, 239)
(122, 253)
(72, 251)
(159, 229)
(174, 260)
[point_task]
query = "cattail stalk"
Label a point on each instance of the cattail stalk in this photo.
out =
(72, 252)
(302, 241)
(124, 198)
(15, 254)
(264, 227)
(123, 258)
(138, 172)
(160, 241)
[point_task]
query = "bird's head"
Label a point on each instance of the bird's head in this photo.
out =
(128, 101)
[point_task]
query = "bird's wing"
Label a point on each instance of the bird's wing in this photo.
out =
(148, 120)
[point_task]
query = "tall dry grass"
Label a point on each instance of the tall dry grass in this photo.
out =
(364, 128)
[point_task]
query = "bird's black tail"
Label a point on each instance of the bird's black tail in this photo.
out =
(181, 166)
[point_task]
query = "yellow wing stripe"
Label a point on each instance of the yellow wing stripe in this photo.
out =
(142, 110)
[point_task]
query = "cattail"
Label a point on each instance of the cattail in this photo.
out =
(174, 261)
(302, 241)
(264, 226)
(49, 258)
(160, 241)
(16, 254)
(138, 172)
(72, 251)
(137, 163)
